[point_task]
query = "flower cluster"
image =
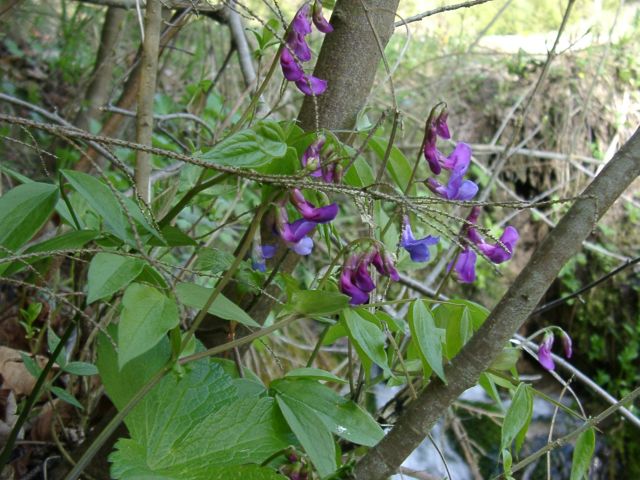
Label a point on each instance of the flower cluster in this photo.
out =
(498, 252)
(355, 279)
(296, 234)
(544, 350)
(457, 188)
(314, 160)
(296, 51)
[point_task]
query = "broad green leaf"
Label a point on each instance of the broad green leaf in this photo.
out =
(109, 272)
(196, 296)
(249, 148)
(213, 260)
(147, 316)
(174, 237)
(314, 374)
(341, 416)
(506, 359)
(70, 240)
(81, 368)
(65, 396)
(368, 338)
(360, 174)
(518, 416)
(192, 425)
(122, 383)
(30, 364)
(398, 165)
(312, 434)
(427, 336)
(318, 302)
(23, 211)
(582, 454)
(104, 202)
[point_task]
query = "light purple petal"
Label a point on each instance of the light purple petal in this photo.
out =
(466, 266)
(567, 344)
(544, 352)
(303, 247)
(459, 159)
(467, 191)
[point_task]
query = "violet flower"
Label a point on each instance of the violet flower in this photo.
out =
(319, 21)
(260, 254)
(330, 172)
(418, 248)
(498, 253)
(567, 344)
(459, 159)
(355, 279)
(291, 69)
(436, 128)
(384, 264)
(310, 85)
(544, 352)
(466, 266)
(295, 234)
(347, 285)
(456, 189)
(310, 212)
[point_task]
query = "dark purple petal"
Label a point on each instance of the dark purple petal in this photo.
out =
(291, 70)
(310, 212)
(310, 85)
(301, 23)
(466, 266)
(567, 344)
(298, 44)
(362, 279)
(385, 265)
(294, 232)
(459, 159)
(544, 352)
(318, 19)
(358, 297)
(441, 127)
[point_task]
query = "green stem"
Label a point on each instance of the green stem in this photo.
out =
(316, 349)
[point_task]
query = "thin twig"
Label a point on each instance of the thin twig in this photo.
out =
(435, 11)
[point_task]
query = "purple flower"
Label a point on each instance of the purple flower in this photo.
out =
(303, 247)
(291, 69)
(295, 234)
(260, 254)
(544, 352)
(431, 153)
(459, 159)
(466, 266)
(297, 43)
(385, 266)
(567, 345)
(301, 22)
(440, 125)
(310, 212)
(418, 249)
(318, 19)
(347, 286)
(456, 189)
(311, 156)
(310, 85)
(361, 277)
(498, 253)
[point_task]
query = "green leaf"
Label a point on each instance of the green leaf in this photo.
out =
(582, 454)
(109, 272)
(30, 364)
(312, 434)
(81, 368)
(368, 338)
(341, 416)
(249, 148)
(23, 211)
(213, 260)
(318, 302)
(104, 202)
(360, 174)
(65, 396)
(174, 237)
(518, 416)
(70, 240)
(314, 374)
(147, 316)
(194, 425)
(197, 296)
(506, 359)
(427, 336)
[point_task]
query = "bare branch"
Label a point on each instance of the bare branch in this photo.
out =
(435, 11)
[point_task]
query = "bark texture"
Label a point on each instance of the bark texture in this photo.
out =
(146, 93)
(348, 60)
(514, 308)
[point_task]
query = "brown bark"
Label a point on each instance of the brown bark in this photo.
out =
(98, 90)
(513, 309)
(348, 60)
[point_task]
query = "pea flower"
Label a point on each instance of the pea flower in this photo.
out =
(296, 50)
(330, 172)
(466, 266)
(498, 252)
(355, 279)
(295, 234)
(434, 129)
(544, 352)
(567, 344)
(260, 254)
(310, 212)
(456, 188)
(418, 248)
